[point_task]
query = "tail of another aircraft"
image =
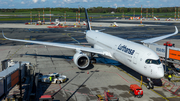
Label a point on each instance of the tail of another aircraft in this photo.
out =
(87, 20)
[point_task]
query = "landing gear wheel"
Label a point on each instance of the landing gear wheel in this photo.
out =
(93, 60)
(147, 86)
(58, 82)
(139, 96)
(150, 86)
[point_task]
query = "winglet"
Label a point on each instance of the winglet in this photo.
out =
(87, 20)
(176, 30)
(3, 35)
(152, 40)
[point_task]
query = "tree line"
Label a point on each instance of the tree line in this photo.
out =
(98, 10)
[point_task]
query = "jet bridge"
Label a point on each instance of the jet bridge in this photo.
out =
(173, 54)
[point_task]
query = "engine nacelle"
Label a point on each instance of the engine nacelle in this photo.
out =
(81, 60)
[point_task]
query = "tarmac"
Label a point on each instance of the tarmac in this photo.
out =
(106, 74)
(99, 23)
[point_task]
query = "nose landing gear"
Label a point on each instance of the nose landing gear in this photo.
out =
(150, 84)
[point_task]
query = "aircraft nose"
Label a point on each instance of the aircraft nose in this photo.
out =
(160, 73)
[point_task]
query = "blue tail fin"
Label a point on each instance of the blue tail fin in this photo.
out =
(87, 20)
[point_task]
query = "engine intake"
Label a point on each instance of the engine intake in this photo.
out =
(81, 60)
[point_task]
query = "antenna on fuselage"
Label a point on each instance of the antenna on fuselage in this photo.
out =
(87, 20)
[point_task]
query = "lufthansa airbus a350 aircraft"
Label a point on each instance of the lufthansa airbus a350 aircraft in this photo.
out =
(136, 56)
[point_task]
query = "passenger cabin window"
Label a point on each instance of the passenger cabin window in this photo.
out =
(151, 61)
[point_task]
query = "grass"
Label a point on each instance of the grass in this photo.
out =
(25, 16)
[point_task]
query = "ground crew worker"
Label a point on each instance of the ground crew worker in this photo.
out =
(169, 77)
(50, 79)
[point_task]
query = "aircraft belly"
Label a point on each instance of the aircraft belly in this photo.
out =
(118, 57)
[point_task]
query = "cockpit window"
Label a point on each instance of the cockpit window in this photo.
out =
(151, 61)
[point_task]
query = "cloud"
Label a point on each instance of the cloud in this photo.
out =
(122, 5)
(85, 1)
(22, 2)
(54, 1)
(67, 0)
(132, 5)
(163, 0)
(43, 0)
(115, 5)
(35, 1)
(4, 3)
(11, 5)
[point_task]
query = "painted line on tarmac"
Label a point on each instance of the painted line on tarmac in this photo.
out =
(79, 93)
(123, 78)
(127, 74)
(3, 39)
(16, 51)
(60, 86)
(173, 97)
(163, 86)
(139, 81)
(68, 70)
(159, 95)
(171, 88)
(115, 73)
(73, 38)
(54, 88)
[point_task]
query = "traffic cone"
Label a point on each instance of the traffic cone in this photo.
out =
(87, 72)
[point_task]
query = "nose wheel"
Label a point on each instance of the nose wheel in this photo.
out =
(150, 84)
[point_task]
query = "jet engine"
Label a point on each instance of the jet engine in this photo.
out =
(81, 60)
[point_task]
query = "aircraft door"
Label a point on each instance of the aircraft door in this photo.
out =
(135, 58)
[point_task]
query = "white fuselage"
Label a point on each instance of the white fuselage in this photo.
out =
(127, 52)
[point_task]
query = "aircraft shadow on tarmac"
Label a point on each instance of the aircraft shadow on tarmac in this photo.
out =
(156, 82)
(70, 96)
(105, 61)
(99, 60)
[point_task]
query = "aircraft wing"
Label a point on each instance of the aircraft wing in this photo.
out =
(152, 40)
(87, 49)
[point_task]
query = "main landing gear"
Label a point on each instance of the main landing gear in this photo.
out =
(92, 60)
(150, 84)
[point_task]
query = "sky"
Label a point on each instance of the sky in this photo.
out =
(87, 3)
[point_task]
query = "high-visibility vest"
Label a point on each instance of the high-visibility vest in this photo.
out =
(169, 68)
(169, 76)
(50, 78)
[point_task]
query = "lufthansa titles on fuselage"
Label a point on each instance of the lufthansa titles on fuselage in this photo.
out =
(125, 49)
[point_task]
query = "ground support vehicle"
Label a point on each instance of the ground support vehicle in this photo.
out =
(56, 78)
(136, 90)
(108, 96)
(46, 98)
